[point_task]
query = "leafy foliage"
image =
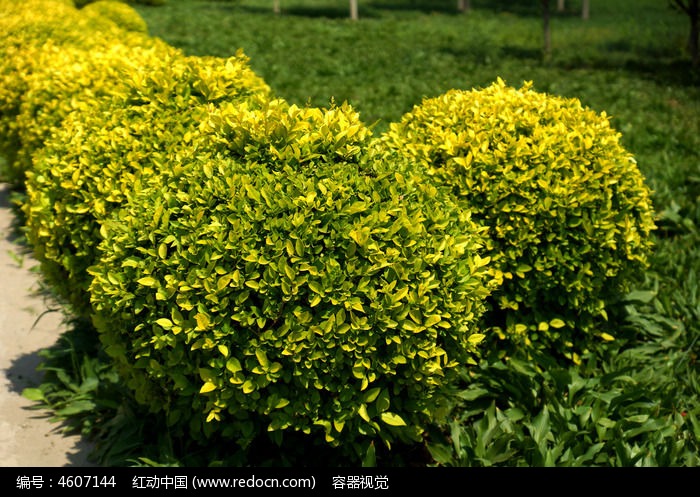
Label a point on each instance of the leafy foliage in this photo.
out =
(298, 294)
(568, 211)
(140, 112)
(34, 33)
(118, 12)
(610, 412)
(631, 401)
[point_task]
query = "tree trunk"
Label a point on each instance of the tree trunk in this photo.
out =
(463, 6)
(560, 5)
(354, 14)
(276, 6)
(692, 9)
(545, 29)
(693, 13)
(586, 10)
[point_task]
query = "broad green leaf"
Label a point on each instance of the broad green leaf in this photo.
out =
(76, 407)
(432, 320)
(540, 427)
(371, 394)
(233, 365)
(400, 294)
(33, 394)
(370, 458)
(383, 402)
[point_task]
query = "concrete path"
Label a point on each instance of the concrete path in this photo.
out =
(28, 438)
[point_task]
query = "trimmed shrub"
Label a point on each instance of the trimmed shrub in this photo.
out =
(120, 13)
(145, 110)
(32, 34)
(71, 80)
(568, 213)
(154, 3)
(278, 134)
(304, 292)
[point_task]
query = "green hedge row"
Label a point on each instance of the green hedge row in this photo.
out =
(254, 268)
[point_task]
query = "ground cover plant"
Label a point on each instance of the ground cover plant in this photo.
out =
(629, 401)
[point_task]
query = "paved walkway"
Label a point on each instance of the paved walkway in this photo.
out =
(28, 438)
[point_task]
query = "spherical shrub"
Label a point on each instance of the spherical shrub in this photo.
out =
(120, 13)
(308, 294)
(137, 116)
(567, 209)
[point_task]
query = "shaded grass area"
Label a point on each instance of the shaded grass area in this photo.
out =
(632, 402)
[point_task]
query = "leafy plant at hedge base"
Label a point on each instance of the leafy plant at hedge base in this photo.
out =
(628, 404)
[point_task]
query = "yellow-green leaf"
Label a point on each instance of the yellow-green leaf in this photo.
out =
(432, 320)
(371, 394)
(202, 321)
(557, 323)
(315, 287)
(400, 294)
(262, 358)
(164, 323)
(392, 419)
(248, 387)
(233, 365)
(147, 281)
(362, 411)
(207, 387)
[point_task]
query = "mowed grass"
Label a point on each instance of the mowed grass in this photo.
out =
(632, 402)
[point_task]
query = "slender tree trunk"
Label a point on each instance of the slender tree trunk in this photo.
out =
(463, 6)
(693, 13)
(561, 5)
(354, 13)
(546, 30)
(276, 6)
(692, 9)
(586, 10)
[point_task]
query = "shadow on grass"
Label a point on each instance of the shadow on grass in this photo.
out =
(661, 70)
(425, 6)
